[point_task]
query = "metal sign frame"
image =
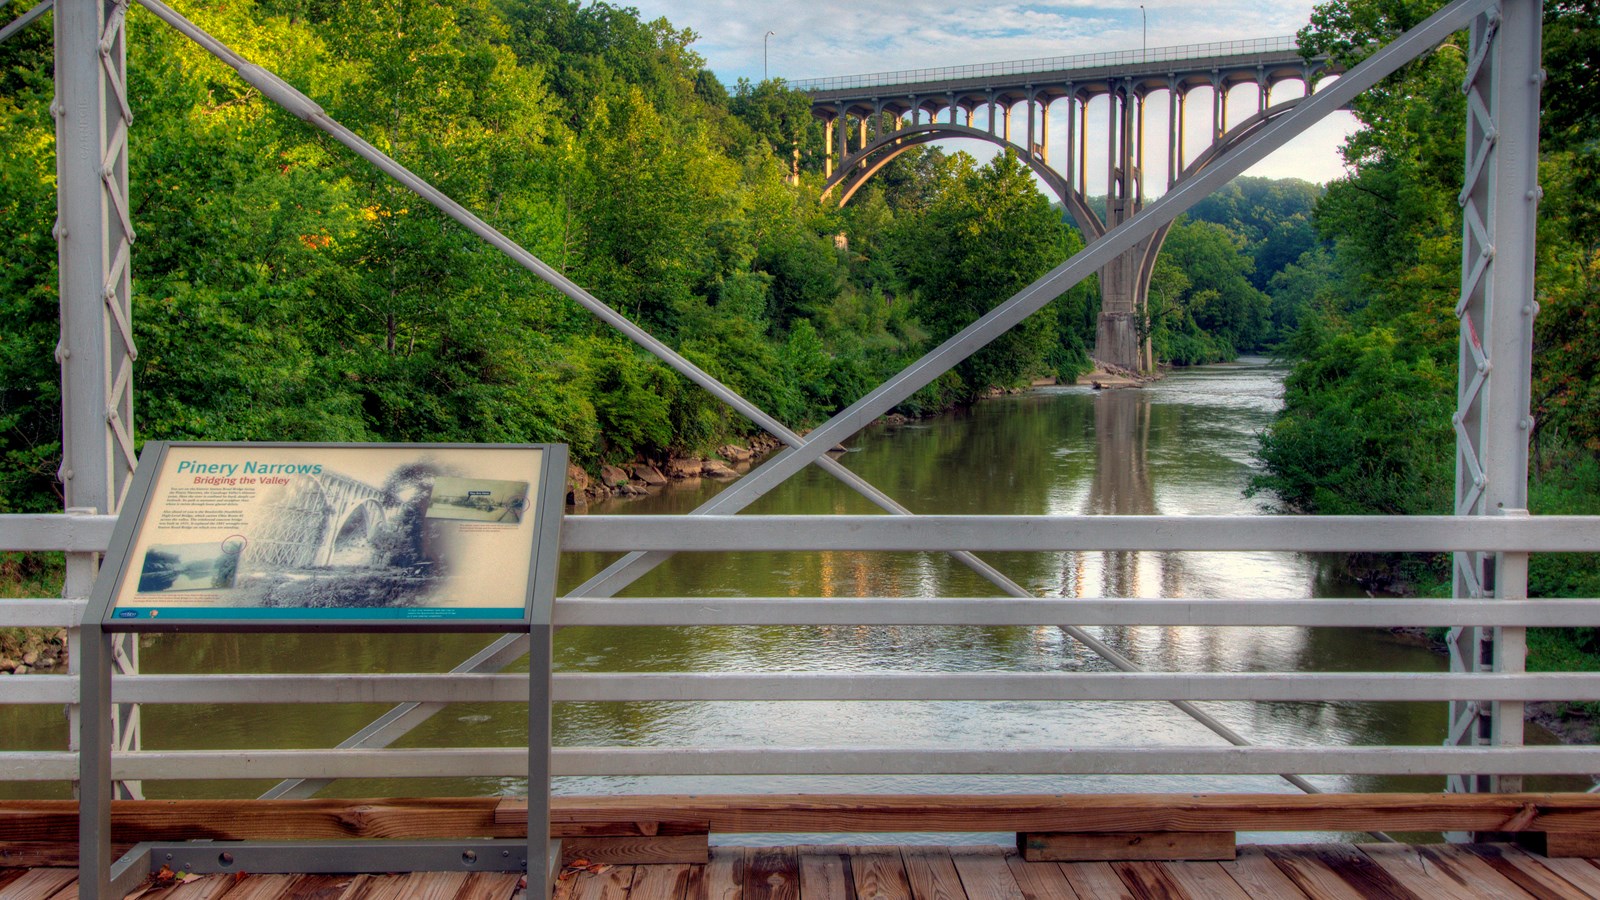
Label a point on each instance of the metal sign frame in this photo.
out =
(547, 503)
(100, 876)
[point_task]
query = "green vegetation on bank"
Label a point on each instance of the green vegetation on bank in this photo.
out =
(285, 290)
(1366, 428)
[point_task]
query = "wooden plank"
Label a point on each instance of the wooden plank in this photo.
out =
(418, 886)
(771, 873)
(880, 874)
(1171, 845)
(38, 884)
(1260, 876)
(1097, 880)
(489, 886)
(630, 851)
(1585, 845)
(8, 875)
(1524, 871)
(931, 873)
(1206, 879)
(360, 886)
(1419, 873)
(1324, 873)
(640, 820)
(668, 881)
(1580, 873)
(1148, 880)
(724, 875)
(208, 888)
(825, 874)
(1040, 881)
(1489, 883)
(984, 873)
(321, 819)
(317, 887)
(23, 855)
(610, 884)
(267, 887)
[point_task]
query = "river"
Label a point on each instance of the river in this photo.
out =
(1181, 446)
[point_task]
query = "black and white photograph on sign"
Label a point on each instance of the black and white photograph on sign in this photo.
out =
(253, 530)
(189, 567)
(478, 499)
(330, 539)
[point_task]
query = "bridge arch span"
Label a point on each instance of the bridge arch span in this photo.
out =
(856, 171)
(1126, 279)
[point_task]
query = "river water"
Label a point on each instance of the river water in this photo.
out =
(1181, 446)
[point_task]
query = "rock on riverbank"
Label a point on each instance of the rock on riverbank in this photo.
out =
(642, 476)
(24, 650)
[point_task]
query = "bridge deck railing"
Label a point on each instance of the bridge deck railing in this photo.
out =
(81, 536)
(1050, 64)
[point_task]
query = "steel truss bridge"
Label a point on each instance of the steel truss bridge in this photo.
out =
(892, 112)
(1490, 534)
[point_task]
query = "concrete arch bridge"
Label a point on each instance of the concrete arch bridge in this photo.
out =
(869, 120)
(320, 520)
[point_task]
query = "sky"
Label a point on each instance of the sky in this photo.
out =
(822, 38)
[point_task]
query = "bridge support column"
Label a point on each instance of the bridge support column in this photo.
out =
(1497, 309)
(1122, 334)
(1044, 132)
(827, 148)
(94, 231)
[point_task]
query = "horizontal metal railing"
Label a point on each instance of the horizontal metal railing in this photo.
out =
(1051, 64)
(895, 534)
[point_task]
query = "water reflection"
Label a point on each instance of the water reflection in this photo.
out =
(1179, 447)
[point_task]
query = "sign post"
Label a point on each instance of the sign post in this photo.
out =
(277, 538)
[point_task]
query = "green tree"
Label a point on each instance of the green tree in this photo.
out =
(990, 234)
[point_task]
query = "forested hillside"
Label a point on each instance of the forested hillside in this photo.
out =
(286, 291)
(1367, 425)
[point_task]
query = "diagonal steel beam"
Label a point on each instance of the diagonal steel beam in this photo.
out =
(1002, 318)
(802, 452)
(24, 20)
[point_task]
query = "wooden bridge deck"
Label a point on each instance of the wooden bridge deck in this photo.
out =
(1285, 872)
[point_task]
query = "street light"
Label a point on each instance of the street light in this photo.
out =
(1144, 32)
(764, 37)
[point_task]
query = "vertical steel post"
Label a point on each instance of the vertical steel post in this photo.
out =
(541, 867)
(1499, 201)
(94, 231)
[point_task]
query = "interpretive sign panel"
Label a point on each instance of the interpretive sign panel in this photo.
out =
(241, 536)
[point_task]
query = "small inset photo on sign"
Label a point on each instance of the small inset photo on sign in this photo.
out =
(478, 500)
(208, 566)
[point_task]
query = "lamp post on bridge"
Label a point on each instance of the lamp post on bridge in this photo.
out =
(764, 76)
(1144, 35)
